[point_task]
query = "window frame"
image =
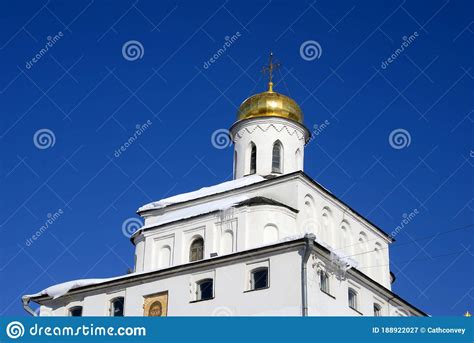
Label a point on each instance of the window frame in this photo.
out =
(198, 291)
(252, 278)
(73, 308)
(193, 241)
(250, 268)
(236, 155)
(355, 296)
(277, 159)
(327, 289)
(253, 159)
(112, 306)
(377, 310)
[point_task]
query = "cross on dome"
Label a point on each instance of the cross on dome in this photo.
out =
(269, 69)
(270, 103)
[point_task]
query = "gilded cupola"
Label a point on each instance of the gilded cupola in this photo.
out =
(270, 103)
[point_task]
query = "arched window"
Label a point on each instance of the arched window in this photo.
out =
(116, 307)
(227, 242)
(310, 223)
(270, 234)
(196, 251)
(276, 157)
(324, 282)
(363, 250)
(259, 278)
(165, 257)
(345, 238)
(377, 310)
(299, 164)
(205, 289)
(235, 163)
(326, 225)
(253, 158)
(352, 295)
(378, 267)
(75, 311)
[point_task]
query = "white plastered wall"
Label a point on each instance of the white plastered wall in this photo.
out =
(264, 132)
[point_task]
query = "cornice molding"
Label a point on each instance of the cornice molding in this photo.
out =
(249, 126)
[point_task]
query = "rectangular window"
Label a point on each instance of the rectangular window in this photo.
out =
(257, 275)
(75, 311)
(352, 299)
(205, 289)
(253, 159)
(116, 307)
(259, 278)
(324, 282)
(377, 310)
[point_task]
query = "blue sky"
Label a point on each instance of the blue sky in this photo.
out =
(90, 98)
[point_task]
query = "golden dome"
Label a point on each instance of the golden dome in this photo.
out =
(270, 104)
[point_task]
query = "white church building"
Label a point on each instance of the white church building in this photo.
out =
(271, 242)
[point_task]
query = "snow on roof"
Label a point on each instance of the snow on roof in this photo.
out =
(337, 256)
(219, 188)
(60, 289)
(192, 211)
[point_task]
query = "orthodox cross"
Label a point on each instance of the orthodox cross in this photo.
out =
(270, 68)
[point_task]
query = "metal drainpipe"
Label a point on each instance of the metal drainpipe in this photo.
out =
(309, 240)
(26, 306)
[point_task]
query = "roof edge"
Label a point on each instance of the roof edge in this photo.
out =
(222, 259)
(279, 179)
(183, 267)
(254, 201)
